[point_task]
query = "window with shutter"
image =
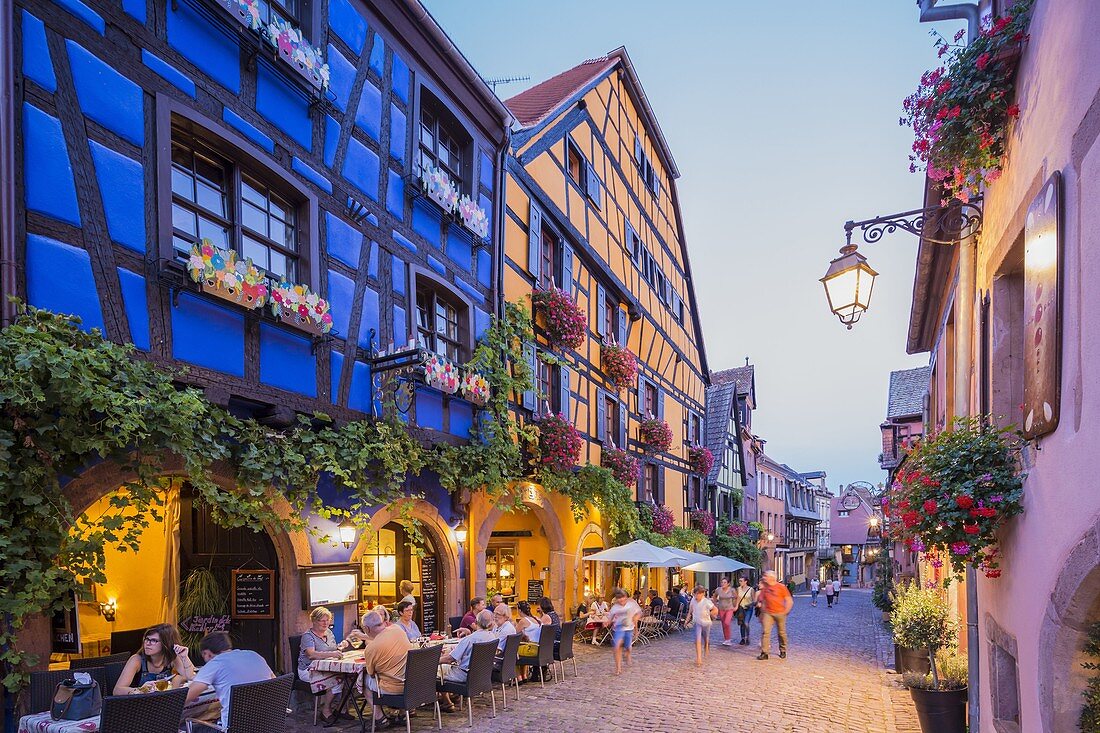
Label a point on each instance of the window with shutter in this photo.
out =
(638, 157)
(567, 267)
(534, 241)
(601, 312)
(593, 187)
(620, 408)
(575, 165)
(611, 418)
(611, 320)
(548, 259)
(660, 412)
(601, 417)
(660, 470)
(565, 402)
(621, 315)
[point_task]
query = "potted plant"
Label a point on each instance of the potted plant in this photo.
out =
(623, 466)
(663, 521)
(922, 623)
(703, 521)
(655, 433)
(559, 443)
(565, 321)
(701, 459)
(619, 364)
(940, 697)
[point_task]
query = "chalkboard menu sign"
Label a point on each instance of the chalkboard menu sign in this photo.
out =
(65, 629)
(429, 594)
(253, 594)
(534, 591)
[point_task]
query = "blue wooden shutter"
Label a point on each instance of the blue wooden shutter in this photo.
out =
(592, 185)
(622, 326)
(530, 397)
(660, 404)
(621, 406)
(638, 150)
(659, 494)
(564, 406)
(601, 310)
(641, 395)
(567, 268)
(631, 247)
(601, 416)
(534, 240)
(641, 480)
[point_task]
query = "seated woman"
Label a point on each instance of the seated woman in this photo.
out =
(320, 643)
(531, 629)
(405, 610)
(161, 657)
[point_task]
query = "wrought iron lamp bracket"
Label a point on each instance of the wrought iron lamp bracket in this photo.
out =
(393, 376)
(954, 222)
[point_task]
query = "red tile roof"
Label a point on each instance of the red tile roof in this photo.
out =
(533, 105)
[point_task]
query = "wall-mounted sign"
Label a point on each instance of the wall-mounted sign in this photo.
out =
(331, 585)
(253, 594)
(850, 501)
(429, 593)
(534, 590)
(1043, 310)
(205, 624)
(65, 630)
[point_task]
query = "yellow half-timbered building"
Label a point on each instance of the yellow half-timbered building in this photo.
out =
(592, 209)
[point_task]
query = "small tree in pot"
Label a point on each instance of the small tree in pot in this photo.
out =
(941, 702)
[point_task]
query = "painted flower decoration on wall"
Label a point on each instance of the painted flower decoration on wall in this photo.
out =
(302, 307)
(440, 188)
(475, 388)
(440, 373)
(284, 37)
(473, 216)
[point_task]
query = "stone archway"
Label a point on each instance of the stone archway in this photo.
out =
(1074, 605)
(589, 530)
(555, 537)
(443, 539)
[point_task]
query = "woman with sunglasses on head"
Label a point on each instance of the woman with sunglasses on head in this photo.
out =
(161, 657)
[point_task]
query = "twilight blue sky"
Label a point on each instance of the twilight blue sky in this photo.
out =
(783, 119)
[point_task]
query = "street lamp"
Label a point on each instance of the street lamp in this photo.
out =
(848, 284)
(461, 532)
(346, 530)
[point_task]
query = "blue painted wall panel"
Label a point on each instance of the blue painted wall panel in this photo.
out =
(361, 168)
(37, 65)
(47, 172)
(332, 139)
(208, 335)
(211, 51)
(122, 188)
(462, 418)
(395, 193)
(59, 279)
(398, 133)
(400, 84)
(286, 361)
(487, 171)
(170, 73)
(460, 248)
(429, 408)
(404, 241)
(368, 115)
(470, 290)
(437, 265)
(340, 291)
(484, 267)
(249, 130)
(369, 320)
(135, 8)
(311, 174)
(283, 106)
(86, 14)
(341, 77)
(348, 24)
(426, 220)
(335, 367)
(342, 240)
(400, 327)
(359, 394)
(481, 323)
(399, 274)
(377, 59)
(372, 260)
(107, 96)
(137, 307)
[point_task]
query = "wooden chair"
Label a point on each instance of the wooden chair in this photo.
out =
(479, 678)
(254, 707)
(545, 656)
(563, 650)
(154, 712)
(504, 670)
(299, 684)
(44, 684)
(85, 662)
(421, 669)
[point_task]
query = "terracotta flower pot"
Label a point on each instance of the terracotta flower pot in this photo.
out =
(940, 711)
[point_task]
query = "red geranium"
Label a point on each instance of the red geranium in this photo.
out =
(930, 506)
(964, 502)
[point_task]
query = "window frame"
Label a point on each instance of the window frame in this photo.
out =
(611, 418)
(244, 156)
(423, 279)
(550, 254)
(429, 102)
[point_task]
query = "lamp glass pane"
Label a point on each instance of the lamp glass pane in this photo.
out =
(842, 289)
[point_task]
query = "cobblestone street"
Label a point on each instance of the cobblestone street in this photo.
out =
(833, 680)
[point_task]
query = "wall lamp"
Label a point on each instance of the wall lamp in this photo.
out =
(461, 533)
(108, 609)
(346, 530)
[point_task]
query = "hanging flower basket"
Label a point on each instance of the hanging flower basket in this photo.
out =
(663, 521)
(559, 443)
(737, 529)
(565, 321)
(656, 434)
(701, 459)
(954, 492)
(703, 521)
(441, 374)
(961, 111)
(619, 364)
(475, 388)
(298, 306)
(624, 467)
(221, 273)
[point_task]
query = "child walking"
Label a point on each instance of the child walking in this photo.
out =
(621, 617)
(701, 612)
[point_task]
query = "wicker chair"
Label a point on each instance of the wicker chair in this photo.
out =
(155, 712)
(563, 650)
(254, 707)
(545, 656)
(44, 684)
(112, 672)
(85, 662)
(504, 671)
(299, 684)
(421, 667)
(479, 678)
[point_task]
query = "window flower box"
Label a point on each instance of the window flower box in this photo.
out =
(286, 39)
(473, 217)
(300, 307)
(655, 433)
(439, 187)
(566, 323)
(619, 364)
(441, 374)
(559, 443)
(703, 521)
(623, 466)
(475, 388)
(221, 273)
(701, 459)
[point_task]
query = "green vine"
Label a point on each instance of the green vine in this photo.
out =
(1090, 713)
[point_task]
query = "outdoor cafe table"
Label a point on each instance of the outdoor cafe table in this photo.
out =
(204, 707)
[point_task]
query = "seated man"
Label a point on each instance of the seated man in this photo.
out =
(469, 623)
(384, 659)
(224, 667)
(502, 625)
(456, 664)
(656, 605)
(674, 603)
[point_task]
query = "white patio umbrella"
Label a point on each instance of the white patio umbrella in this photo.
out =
(718, 564)
(638, 551)
(687, 555)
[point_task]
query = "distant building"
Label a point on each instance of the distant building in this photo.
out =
(801, 519)
(851, 538)
(730, 401)
(823, 506)
(903, 427)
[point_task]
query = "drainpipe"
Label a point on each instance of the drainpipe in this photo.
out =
(969, 12)
(499, 217)
(8, 279)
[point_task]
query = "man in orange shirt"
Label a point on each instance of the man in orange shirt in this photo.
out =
(773, 603)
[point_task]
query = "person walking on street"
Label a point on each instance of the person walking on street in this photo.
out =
(622, 617)
(829, 592)
(814, 588)
(746, 602)
(701, 612)
(774, 602)
(725, 598)
(836, 592)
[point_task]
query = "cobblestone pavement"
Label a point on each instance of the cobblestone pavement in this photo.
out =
(832, 680)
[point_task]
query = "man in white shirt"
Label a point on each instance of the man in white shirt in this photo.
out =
(836, 592)
(224, 667)
(502, 625)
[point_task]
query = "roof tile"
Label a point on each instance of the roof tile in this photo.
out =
(907, 390)
(532, 105)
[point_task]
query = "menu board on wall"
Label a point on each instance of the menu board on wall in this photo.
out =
(65, 629)
(534, 590)
(429, 594)
(253, 594)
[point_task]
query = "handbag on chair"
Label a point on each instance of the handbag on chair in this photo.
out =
(76, 699)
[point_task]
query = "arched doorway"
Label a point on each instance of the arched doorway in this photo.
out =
(591, 577)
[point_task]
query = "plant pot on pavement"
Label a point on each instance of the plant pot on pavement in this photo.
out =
(940, 712)
(911, 660)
